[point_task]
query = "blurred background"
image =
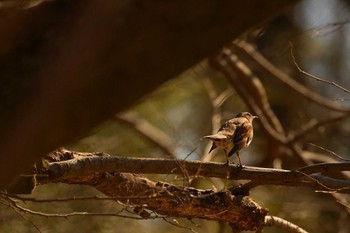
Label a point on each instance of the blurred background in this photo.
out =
(170, 122)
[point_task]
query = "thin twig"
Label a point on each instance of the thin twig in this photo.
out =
(344, 202)
(317, 179)
(67, 215)
(270, 69)
(81, 198)
(311, 125)
(8, 202)
(313, 76)
(329, 151)
(325, 167)
(25, 218)
(174, 222)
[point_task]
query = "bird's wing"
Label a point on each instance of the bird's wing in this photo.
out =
(241, 133)
(241, 137)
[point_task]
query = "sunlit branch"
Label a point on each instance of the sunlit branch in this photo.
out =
(83, 165)
(284, 224)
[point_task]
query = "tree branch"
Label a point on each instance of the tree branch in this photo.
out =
(85, 164)
(282, 223)
(169, 200)
(313, 76)
(152, 133)
(265, 65)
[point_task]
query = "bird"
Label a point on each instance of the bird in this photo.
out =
(234, 135)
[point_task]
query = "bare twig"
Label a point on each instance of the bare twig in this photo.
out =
(311, 125)
(342, 200)
(327, 183)
(174, 222)
(324, 167)
(9, 203)
(284, 224)
(270, 69)
(328, 151)
(313, 76)
(79, 198)
(71, 214)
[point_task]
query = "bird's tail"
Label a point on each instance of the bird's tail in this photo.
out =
(214, 137)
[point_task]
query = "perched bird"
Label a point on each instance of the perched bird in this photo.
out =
(235, 135)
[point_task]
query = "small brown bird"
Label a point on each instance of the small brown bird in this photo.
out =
(235, 135)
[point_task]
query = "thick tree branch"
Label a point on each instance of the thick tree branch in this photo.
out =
(85, 164)
(166, 199)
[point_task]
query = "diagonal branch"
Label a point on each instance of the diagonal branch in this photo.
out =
(269, 68)
(313, 76)
(152, 133)
(252, 92)
(311, 125)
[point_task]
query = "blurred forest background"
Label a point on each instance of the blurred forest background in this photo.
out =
(170, 121)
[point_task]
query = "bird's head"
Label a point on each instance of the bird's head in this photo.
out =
(247, 115)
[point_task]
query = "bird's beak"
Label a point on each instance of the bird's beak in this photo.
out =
(255, 117)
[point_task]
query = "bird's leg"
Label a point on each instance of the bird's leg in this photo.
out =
(239, 159)
(227, 161)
